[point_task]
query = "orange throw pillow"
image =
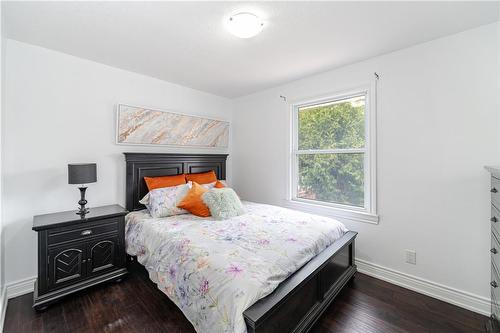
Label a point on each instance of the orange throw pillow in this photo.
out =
(164, 181)
(219, 184)
(202, 178)
(193, 202)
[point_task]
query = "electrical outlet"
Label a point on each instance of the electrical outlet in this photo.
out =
(411, 257)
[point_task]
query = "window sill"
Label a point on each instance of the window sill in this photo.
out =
(332, 212)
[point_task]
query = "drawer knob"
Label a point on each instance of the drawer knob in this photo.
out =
(86, 232)
(494, 284)
(494, 251)
(493, 190)
(494, 219)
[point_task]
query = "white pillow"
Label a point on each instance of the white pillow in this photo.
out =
(162, 202)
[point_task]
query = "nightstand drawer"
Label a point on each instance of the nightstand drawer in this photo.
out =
(72, 233)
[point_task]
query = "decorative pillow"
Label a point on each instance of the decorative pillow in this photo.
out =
(223, 203)
(220, 184)
(164, 181)
(202, 178)
(208, 186)
(193, 203)
(217, 184)
(162, 202)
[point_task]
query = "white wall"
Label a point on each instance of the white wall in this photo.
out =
(2, 87)
(61, 109)
(498, 75)
(437, 128)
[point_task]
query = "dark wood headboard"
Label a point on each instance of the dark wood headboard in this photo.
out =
(140, 165)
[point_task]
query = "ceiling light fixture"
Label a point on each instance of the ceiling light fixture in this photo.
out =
(244, 25)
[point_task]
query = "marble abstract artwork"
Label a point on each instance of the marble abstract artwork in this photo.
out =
(143, 126)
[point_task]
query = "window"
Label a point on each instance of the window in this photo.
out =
(331, 156)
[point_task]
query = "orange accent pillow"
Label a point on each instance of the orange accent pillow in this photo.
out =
(164, 181)
(203, 177)
(219, 184)
(193, 202)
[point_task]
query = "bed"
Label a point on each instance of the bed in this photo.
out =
(289, 298)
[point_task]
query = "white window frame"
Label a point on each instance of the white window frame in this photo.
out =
(368, 213)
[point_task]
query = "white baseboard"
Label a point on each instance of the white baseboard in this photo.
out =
(3, 306)
(450, 295)
(11, 290)
(20, 287)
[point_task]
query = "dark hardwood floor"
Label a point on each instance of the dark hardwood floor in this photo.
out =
(136, 305)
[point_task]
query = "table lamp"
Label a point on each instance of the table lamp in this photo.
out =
(82, 173)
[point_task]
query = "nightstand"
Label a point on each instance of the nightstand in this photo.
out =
(76, 252)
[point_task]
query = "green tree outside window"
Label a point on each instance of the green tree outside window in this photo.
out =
(338, 176)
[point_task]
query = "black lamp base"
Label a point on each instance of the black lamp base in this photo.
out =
(83, 210)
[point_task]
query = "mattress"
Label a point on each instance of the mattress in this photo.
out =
(214, 270)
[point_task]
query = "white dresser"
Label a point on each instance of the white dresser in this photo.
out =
(494, 322)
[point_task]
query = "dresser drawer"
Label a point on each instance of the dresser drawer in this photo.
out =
(495, 191)
(72, 233)
(495, 219)
(495, 248)
(495, 306)
(495, 281)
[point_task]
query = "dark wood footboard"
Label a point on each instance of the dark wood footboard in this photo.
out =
(299, 300)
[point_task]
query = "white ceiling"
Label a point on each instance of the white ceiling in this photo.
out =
(186, 42)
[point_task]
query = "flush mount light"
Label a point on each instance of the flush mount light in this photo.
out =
(244, 25)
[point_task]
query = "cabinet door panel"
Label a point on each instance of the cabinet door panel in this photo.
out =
(102, 255)
(66, 264)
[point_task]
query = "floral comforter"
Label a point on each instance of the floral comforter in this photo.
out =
(214, 270)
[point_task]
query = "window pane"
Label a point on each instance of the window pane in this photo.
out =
(334, 178)
(334, 125)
